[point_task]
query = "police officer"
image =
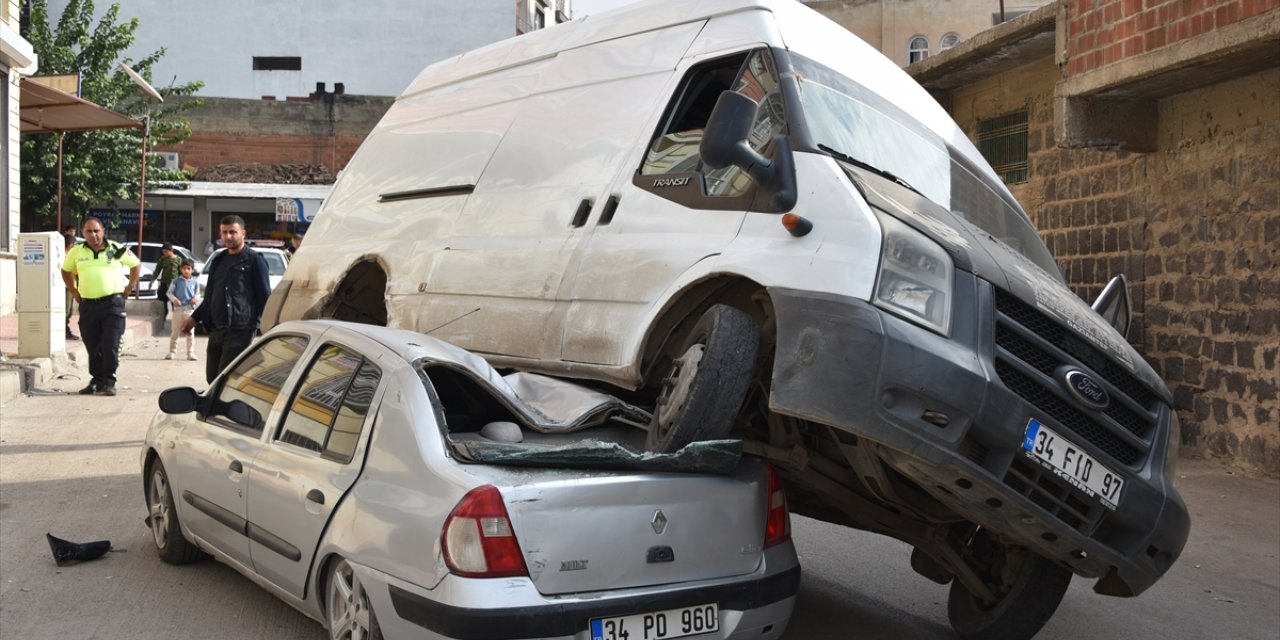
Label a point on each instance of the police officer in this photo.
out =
(94, 272)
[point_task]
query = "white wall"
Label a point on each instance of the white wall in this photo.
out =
(373, 47)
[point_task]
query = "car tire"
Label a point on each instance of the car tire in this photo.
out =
(706, 383)
(1031, 591)
(347, 610)
(162, 518)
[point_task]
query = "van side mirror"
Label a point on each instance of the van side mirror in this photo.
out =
(1113, 304)
(178, 400)
(724, 143)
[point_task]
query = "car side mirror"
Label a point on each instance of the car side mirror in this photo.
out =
(725, 143)
(178, 400)
(1113, 304)
(239, 412)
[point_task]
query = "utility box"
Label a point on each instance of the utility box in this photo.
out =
(42, 305)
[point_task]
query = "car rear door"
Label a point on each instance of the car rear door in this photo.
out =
(310, 461)
(214, 456)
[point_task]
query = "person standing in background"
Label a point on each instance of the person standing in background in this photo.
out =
(184, 295)
(93, 271)
(69, 237)
(168, 268)
(294, 243)
(235, 295)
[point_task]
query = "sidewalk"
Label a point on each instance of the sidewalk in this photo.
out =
(18, 375)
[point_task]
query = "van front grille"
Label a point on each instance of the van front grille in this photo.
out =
(1031, 347)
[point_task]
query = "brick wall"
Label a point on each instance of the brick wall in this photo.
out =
(206, 149)
(1100, 32)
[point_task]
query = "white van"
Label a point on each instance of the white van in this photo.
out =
(764, 229)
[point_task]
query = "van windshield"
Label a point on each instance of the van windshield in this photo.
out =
(847, 119)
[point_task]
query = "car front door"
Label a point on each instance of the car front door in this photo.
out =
(215, 456)
(670, 213)
(309, 463)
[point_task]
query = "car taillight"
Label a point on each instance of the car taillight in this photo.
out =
(478, 539)
(778, 525)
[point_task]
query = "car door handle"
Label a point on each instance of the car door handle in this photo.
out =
(584, 210)
(236, 467)
(316, 496)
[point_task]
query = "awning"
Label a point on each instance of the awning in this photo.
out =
(48, 110)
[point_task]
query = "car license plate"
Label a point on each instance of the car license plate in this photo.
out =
(659, 625)
(1071, 463)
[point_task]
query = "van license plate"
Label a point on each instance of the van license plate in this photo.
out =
(659, 625)
(1072, 464)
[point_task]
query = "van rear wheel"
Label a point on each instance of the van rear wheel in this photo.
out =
(1028, 590)
(706, 383)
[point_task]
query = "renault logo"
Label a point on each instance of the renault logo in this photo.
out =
(659, 523)
(1088, 391)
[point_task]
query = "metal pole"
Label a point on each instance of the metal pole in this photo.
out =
(60, 134)
(142, 194)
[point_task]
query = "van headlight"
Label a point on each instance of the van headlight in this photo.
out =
(915, 279)
(1175, 445)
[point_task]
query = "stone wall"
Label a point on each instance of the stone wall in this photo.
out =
(1195, 226)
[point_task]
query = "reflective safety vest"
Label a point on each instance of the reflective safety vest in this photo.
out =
(100, 273)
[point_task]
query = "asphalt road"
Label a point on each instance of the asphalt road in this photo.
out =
(69, 466)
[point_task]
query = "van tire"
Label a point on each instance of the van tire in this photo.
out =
(1034, 586)
(706, 383)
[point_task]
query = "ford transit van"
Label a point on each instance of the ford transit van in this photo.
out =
(750, 221)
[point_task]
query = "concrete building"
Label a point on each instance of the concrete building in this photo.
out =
(292, 87)
(1144, 139)
(908, 31)
(17, 59)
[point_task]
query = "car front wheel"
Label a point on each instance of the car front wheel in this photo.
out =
(162, 517)
(347, 605)
(1027, 588)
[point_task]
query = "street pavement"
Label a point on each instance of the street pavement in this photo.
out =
(69, 465)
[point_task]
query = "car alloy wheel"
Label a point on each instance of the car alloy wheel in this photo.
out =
(349, 613)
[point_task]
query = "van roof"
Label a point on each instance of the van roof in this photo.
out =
(801, 29)
(639, 17)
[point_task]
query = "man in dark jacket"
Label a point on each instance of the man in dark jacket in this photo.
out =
(234, 298)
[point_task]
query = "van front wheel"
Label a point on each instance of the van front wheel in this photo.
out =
(706, 383)
(1028, 590)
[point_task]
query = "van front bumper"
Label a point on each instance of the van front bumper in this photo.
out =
(948, 421)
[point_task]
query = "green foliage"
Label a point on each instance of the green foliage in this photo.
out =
(97, 166)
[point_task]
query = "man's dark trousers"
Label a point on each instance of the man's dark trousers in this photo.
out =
(224, 346)
(101, 327)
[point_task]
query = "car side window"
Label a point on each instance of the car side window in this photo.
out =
(674, 149)
(258, 379)
(329, 409)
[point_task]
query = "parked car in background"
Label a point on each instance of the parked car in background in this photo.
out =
(150, 256)
(387, 483)
(277, 261)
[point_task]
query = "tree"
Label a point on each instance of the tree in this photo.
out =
(98, 166)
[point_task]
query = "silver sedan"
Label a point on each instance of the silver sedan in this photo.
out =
(391, 485)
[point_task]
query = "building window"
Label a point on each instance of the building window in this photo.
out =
(277, 63)
(917, 49)
(948, 41)
(1003, 142)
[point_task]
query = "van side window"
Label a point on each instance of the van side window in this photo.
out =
(675, 149)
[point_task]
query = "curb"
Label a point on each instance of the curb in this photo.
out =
(20, 376)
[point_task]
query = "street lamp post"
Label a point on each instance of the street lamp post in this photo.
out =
(146, 132)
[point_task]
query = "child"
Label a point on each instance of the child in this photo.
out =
(184, 295)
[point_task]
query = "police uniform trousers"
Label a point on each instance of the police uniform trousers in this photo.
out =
(101, 328)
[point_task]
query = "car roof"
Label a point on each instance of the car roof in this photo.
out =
(548, 404)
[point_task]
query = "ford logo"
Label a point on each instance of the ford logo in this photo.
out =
(1087, 390)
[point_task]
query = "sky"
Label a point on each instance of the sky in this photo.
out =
(584, 7)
